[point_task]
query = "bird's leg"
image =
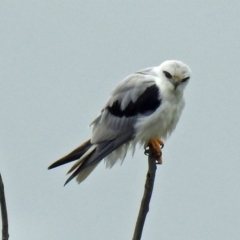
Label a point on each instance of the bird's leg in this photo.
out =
(156, 145)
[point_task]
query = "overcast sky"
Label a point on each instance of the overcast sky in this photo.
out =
(59, 60)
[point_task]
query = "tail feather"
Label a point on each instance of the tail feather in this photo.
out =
(101, 151)
(89, 155)
(84, 174)
(83, 158)
(74, 155)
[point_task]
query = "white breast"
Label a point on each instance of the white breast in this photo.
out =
(164, 120)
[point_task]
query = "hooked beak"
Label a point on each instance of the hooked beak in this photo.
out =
(175, 84)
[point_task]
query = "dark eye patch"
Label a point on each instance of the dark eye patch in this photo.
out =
(167, 74)
(185, 79)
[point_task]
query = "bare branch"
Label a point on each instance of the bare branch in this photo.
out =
(144, 208)
(5, 234)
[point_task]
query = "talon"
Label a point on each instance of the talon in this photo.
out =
(160, 142)
(156, 145)
(146, 152)
(159, 160)
(159, 154)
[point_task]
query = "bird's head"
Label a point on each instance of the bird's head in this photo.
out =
(175, 74)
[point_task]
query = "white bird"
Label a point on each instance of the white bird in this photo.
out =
(144, 108)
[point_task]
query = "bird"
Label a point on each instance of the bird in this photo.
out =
(144, 108)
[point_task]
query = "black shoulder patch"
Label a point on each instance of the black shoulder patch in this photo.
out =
(147, 102)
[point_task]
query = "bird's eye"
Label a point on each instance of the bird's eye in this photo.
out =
(167, 74)
(185, 79)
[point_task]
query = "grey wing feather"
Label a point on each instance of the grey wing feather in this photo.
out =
(130, 88)
(147, 71)
(107, 126)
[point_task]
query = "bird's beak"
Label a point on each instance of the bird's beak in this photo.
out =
(175, 85)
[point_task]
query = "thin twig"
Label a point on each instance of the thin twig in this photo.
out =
(5, 234)
(144, 208)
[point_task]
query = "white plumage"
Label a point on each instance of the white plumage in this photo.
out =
(144, 106)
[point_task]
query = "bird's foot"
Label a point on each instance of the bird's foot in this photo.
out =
(155, 145)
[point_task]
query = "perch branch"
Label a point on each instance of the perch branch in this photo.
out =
(144, 208)
(5, 234)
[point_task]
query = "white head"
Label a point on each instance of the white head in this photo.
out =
(175, 74)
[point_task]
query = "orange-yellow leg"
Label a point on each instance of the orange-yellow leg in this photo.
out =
(156, 146)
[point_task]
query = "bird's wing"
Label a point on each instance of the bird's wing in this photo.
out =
(137, 95)
(134, 97)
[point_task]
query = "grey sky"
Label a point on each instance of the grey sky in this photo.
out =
(59, 60)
